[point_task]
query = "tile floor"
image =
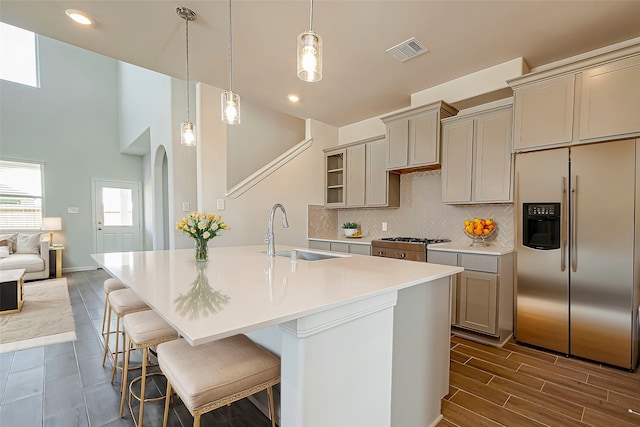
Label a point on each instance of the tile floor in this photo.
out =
(65, 385)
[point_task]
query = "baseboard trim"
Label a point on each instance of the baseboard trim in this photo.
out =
(76, 269)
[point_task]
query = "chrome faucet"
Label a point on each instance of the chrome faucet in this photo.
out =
(269, 238)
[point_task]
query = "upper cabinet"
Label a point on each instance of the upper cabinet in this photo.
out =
(334, 163)
(476, 156)
(595, 99)
(544, 113)
(413, 136)
(611, 99)
(356, 176)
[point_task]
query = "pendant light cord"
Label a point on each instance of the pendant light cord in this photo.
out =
(311, 17)
(187, 38)
(230, 52)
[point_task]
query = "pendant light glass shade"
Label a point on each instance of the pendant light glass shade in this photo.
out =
(230, 106)
(188, 134)
(230, 101)
(310, 53)
(187, 129)
(309, 56)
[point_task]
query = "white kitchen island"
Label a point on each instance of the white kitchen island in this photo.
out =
(365, 340)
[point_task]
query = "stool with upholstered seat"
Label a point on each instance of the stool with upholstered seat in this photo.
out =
(121, 302)
(109, 285)
(219, 373)
(142, 330)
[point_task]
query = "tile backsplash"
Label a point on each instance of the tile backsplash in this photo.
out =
(421, 214)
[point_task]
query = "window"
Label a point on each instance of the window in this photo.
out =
(117, 206)
(20, 195)
(18, 55)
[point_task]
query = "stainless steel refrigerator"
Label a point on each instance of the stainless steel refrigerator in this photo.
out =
(577, 247)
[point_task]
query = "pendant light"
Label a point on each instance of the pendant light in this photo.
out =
(187, 129)
(230, 101)
(310, 53)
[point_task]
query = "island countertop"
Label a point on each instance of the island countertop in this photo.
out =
(245, 290)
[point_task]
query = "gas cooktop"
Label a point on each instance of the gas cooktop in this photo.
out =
(414, 240)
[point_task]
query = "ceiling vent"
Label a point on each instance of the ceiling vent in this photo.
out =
(407, 49)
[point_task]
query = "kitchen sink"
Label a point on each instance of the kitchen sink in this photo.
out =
(310, 256)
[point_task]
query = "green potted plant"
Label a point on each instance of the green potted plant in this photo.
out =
(350, 228)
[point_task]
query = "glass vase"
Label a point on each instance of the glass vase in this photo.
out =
(202, 250)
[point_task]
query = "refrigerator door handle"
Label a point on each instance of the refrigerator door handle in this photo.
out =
(563, 225)
(574, 227)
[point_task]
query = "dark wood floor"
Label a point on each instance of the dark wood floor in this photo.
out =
(520, 386)
(64, 385)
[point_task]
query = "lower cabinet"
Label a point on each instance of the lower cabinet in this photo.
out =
(482, 295)
(478, 296)
(350, 248)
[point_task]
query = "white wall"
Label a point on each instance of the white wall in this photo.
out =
(70, 124)
(295, 185)
(262, 136)
(152, 106)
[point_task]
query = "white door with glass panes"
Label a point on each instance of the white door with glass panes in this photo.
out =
(117, 216)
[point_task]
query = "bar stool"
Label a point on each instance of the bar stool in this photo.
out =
(109, 285)
(212, 375)
(142, 330)
(121, 302)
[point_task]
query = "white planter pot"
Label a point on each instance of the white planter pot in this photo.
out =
(349, 231)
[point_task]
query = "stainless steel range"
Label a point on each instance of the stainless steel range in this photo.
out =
(409, 248)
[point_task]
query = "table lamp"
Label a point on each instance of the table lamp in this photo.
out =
(51, 224)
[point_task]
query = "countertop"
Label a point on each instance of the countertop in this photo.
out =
(465, 247)
(240, 289)
(364, 240)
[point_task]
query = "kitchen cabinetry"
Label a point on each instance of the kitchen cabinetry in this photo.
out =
(334, 178)
(595, 99)
(356, 176)
(482, 295)
(543, 113)
(351, 248)
(414, 136)
(611, 99)
(476, 156)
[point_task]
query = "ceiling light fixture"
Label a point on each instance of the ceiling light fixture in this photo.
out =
(229, 101)
(79, 16)
(310, 53)
(187, 129)
(293, 98)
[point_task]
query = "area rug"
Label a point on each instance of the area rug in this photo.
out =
(46, 318)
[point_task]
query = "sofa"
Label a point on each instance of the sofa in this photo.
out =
(25, 250)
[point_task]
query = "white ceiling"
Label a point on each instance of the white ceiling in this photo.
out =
(360, 80)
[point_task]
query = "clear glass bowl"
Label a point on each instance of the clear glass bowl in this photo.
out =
(480, 240)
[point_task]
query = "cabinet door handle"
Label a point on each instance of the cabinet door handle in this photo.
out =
(574, 226)
(563, 225)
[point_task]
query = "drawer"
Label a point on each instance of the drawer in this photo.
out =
(340, 247)
(444, 258)
(360, 249)
(486, 263)
(319, 244)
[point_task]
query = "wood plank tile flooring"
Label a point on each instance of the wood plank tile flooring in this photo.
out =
(521, 386)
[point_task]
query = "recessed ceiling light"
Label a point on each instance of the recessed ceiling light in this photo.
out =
(79, 16)
(293, 98)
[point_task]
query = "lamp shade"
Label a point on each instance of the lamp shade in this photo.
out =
(52, 224)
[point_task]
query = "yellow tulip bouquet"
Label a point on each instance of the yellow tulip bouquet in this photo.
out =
(202, 227)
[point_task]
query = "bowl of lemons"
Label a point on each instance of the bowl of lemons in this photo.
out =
(479, 230)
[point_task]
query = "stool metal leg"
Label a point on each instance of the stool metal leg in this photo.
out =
(116, 351)
(123, 388)
(272, 408)
(106, 338)
(145, 354)
(167, 402)
(104, 312)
